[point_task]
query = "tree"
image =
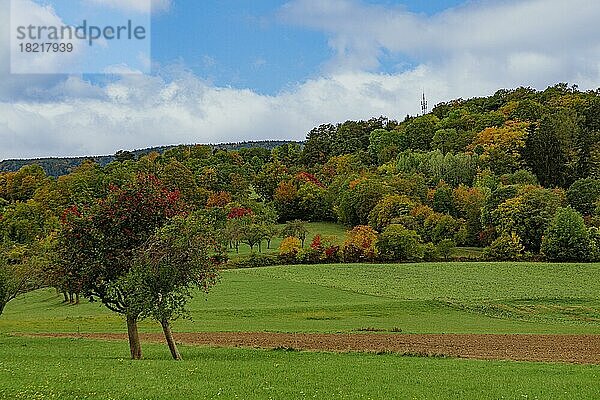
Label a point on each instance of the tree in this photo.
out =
(507, 247)
(296, 229)
(528, 215)
(501, 148)
(445, 248)
(389, 210)
(583, 195)
(396, 243)
(384, 145)
(318, 147)
(253, 234)
(15, 280)
(550, 149)
(103, 240)
(567, 238)
(179, 257)
(418, 133)
(358, 198)
(286, 201)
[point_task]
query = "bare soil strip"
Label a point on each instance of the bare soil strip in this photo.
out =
(580, 349)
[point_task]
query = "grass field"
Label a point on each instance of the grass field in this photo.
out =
(314, 229)
(80, 369)
(416, 298)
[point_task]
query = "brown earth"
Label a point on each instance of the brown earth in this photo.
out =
(580, 349)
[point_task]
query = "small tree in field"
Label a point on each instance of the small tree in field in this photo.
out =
(507, 247)
(21, 270)
(102, 241)
(297, 229)
(567, 238)
(397, 243)
(179, 257)
(445, 248)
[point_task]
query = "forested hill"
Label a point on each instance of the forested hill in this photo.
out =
(59, 166)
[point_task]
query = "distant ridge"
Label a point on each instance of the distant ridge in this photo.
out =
(58, 166)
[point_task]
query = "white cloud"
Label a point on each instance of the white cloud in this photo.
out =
(140, 6)
(141, 111)
(505, 43)
(469, 51)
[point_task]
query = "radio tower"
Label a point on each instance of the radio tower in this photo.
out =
(424, 106)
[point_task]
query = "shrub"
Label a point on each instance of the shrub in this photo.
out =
(430, 252)
(445, 248)
(397, 243)
(360, 244)
(507, 247)
(323, 248)
(289, 248)
(567, 238)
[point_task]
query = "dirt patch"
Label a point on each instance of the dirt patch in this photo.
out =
(581, 349)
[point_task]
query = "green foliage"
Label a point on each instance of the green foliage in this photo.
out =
(454, 169)
(384, 145)
(358, 199)
(551, 149)
(567, 238)
(314, 203)
(528, 215)
(180, 256)
(396, 243)
(442, 199)
(418, 133)
(583, 195)
(445, 248)
(507, 247)
(390, 209)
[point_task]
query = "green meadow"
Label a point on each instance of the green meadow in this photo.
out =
(413, 298)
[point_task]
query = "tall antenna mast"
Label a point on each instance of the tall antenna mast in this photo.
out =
(424, 105)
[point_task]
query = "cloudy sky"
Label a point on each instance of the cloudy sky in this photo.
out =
(234, 70)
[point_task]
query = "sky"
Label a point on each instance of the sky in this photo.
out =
(236, 70)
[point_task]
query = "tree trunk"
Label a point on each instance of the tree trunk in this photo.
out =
(77, 298)
(66, 300)
(71, 300)
(170, 340)
(134, 338)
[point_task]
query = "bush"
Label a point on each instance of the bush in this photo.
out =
(508, 247)
(289, 248)
(567, 238)
(445, 247)
(322, 249)
(397, 243)
(360, 244)
(430, 252)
